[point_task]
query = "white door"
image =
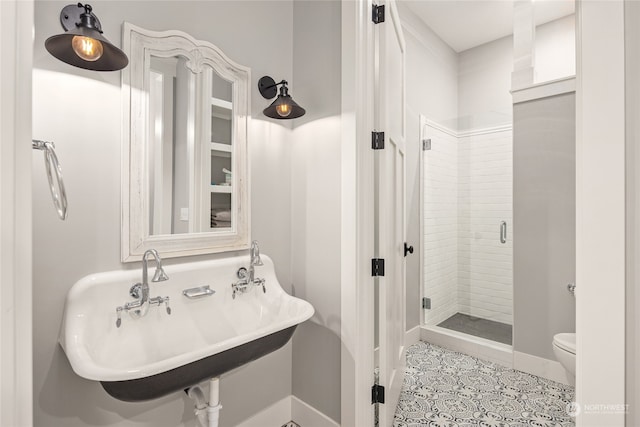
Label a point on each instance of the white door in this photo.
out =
(390, 168)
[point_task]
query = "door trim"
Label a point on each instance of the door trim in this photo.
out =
(16, 396)
(357, 203)
(600, 199)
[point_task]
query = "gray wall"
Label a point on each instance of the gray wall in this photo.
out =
(82, 112)
(543, 221)
(316, 193)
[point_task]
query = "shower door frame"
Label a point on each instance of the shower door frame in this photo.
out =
(423, 121)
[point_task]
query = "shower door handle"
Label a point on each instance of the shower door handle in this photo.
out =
(503, 232)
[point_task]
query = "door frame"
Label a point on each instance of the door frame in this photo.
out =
(357, 214)
(600, 210)
(16, 65)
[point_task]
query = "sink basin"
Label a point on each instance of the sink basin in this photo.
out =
(158, 354)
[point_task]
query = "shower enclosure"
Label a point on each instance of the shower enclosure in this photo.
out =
(461, 87)
(467, 216)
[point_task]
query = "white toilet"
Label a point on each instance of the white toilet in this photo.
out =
(564, 347)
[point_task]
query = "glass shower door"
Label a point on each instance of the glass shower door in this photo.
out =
(467, 213)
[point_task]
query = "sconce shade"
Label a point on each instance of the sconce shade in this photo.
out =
(284, 107)
(87, 29)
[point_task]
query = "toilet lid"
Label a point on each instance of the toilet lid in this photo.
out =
(566, 342)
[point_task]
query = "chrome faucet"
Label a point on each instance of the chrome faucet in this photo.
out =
(254, 259)
(247, 277)
(159, 275)
(140, 291)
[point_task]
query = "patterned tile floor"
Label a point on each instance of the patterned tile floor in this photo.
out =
(444, 388)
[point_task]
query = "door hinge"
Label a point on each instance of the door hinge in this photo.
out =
(426, 144)
(377, 14)
(377, 394)
(377, 267)
(377, 140)
(426, 303)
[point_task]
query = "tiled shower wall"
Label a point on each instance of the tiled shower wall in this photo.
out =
(467, 193)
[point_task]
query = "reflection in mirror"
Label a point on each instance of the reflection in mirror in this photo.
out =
(186, 164)
(218, 165)
(168, 151)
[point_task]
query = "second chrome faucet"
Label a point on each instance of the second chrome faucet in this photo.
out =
(247, 277)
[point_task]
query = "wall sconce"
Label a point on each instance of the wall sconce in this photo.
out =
(284, 107)
(82, 44)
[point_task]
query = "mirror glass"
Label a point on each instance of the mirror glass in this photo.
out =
(185, 178)
(172, 194)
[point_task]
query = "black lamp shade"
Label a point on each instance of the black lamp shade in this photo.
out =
(112, 58)
(92, 50)
(284, 107)
(283, 103)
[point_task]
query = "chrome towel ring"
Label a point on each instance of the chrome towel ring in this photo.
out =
(53, 168)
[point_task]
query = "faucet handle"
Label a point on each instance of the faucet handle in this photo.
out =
(119, 314)
(166, 303)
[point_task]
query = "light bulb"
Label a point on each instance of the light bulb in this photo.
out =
(283, 110)
(87, 48)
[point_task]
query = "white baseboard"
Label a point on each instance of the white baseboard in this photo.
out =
(479, 347)
(545, 368)
(275, 415)
(306, 415)
(412, 336)
(288, 409)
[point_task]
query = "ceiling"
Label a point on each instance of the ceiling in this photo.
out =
(464, 24)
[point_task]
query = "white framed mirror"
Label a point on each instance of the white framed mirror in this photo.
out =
(185, 183)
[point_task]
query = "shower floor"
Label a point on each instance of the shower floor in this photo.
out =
(483, 328)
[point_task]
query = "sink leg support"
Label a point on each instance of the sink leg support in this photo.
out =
(213, 410)
(208, 414)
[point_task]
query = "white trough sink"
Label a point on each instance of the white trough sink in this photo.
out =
(157, 354)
